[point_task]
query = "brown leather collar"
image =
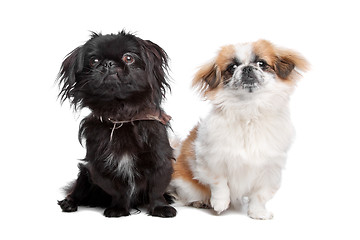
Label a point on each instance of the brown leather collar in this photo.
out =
(150, 115)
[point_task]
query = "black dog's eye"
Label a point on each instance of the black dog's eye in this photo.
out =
(94, 61)
(262, 64)
(128, 59)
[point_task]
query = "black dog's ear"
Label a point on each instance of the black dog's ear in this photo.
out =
(157, 65)
(157, 52)
(72, 65)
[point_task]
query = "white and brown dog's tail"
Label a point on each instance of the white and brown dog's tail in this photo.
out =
(184, 187)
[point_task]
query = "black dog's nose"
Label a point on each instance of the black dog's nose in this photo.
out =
(109, 64)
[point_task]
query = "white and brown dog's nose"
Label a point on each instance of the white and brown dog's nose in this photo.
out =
(248, 74)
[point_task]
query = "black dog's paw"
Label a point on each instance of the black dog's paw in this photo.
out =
(116, 212)
(67, 205)
(200, 204)
(163, 211)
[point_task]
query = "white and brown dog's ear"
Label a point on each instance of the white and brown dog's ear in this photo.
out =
(210, 76)
(207, 78)
(286, 61)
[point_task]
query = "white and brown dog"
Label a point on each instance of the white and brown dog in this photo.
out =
(240, 148)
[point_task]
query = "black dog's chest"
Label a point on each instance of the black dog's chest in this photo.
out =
(119, 149)
(126, 137)
(119, 137)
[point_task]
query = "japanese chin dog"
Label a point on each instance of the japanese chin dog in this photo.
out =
(122, 79)
(236, 154)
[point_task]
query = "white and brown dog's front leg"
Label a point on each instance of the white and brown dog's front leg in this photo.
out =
(220, 194)
(217, 182)
(266, 188)
(257, 209)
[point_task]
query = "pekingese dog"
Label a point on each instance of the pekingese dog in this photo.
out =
(122, 79)
(239, 150)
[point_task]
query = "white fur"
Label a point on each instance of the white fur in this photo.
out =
(124, 169)
(241, 146)
(244, 52)
(186, 193)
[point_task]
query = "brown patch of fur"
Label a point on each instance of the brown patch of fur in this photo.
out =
(181, 166)
(265, 50)
(225, 57)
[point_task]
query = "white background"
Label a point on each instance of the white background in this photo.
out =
(319, 197)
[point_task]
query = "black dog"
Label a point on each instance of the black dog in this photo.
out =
(122, 80)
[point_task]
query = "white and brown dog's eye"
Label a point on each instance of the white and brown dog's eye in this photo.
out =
(261, 64)
(231, 68)
(94, 61)
(128, 59)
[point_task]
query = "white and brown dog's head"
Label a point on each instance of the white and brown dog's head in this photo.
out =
(243, 70)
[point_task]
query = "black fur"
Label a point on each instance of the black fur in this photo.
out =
(126, 165)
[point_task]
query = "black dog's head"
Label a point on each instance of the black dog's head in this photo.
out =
(113, 70)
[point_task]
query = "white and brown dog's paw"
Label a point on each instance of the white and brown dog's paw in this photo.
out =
(260, 214)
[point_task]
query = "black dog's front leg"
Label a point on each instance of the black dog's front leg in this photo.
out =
(118, 208)
(120, 204)
(77, 192)
(157, 186)
(118, 190)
